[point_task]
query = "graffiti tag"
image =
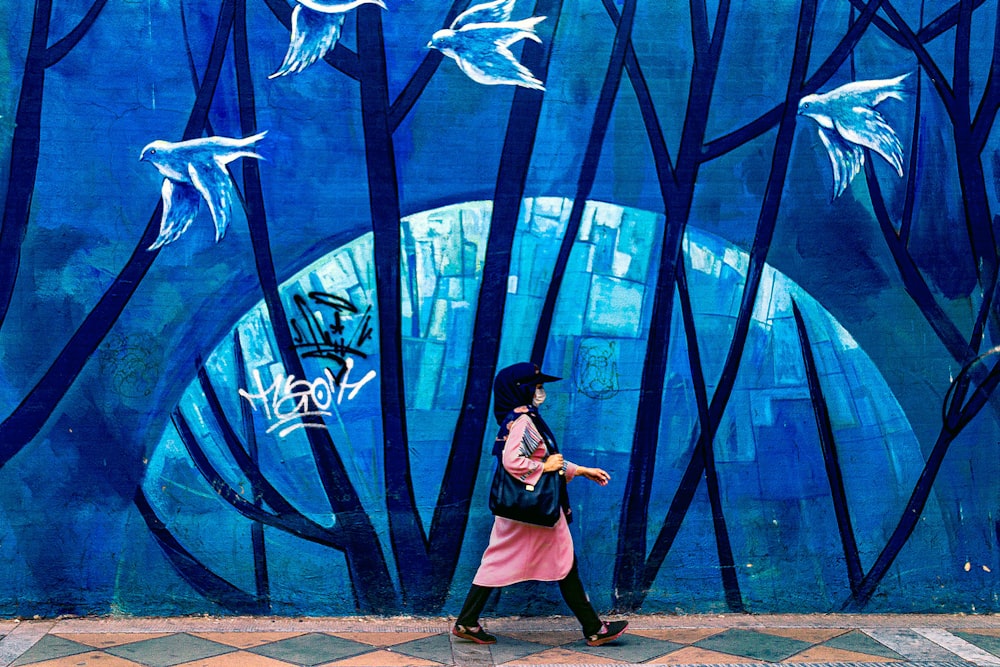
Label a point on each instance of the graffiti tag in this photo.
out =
(598, 374)
(321, 332)
(131, 364)
(288, 400)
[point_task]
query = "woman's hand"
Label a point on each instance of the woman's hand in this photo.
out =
(553, 463)
(594, 475)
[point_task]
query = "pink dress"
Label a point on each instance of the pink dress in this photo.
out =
(523, 551)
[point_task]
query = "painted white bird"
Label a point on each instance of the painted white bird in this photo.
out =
(316, 27)
(848, 123)
(479, 40)
(194, 170)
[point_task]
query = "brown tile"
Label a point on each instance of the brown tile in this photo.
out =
(237, 659)
(811, 635)
(92, 659)
(548, 638)
(677, 635)
(562, 656)
(383, 638)
(246, 639)
(382, 659)
(692, 655)
(830, 654)
(107, 639)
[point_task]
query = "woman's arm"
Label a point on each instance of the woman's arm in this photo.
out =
(594, 475)
(523, 452)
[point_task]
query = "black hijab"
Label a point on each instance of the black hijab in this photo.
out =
(514, 387)
(511, 391)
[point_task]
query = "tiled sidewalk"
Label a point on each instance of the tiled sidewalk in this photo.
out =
(854, 640)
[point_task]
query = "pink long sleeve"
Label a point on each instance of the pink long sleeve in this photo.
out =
(524, 452)
(520, 453)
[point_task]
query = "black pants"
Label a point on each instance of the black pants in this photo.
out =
(572, 591)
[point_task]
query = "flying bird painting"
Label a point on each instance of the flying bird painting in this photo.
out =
(194, 170)
(848, 123)
(479, 40)
(316, 28)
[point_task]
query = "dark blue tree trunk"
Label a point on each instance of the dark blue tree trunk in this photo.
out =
(409, 542)
(24, 155)
(454, 499)
(365, 560)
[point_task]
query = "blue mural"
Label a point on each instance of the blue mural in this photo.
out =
(757, 241)
(236, 447)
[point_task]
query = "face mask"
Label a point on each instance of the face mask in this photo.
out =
(539, 397)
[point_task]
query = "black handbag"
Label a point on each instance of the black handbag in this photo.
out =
(538, 504)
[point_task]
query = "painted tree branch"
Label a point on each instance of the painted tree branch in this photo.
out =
(944, 22)
(647, 109)
(588, 173)
(291, 524)
(677, 196)
(27, 419)
(831, 460)
(758, 256)
(258, 544)
(989, 104)
(706, 452)
(210, 585)
(978, 220)
(909, 40)
(934, 29)
(960, 78)
(757, 127)
(192, 67)
(362, 549)
(913, 280)
(957, 416)
(409, 542)
(909, 200)
(416, 84)
(975, 200)
(769, 208)
(454, 498)
(62, 48)
(24, 155)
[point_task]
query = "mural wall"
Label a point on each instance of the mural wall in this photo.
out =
(260, 261)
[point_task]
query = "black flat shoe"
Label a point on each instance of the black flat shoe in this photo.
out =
(476, 634)
(609, 632)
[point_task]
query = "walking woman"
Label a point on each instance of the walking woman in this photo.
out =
(522, 551)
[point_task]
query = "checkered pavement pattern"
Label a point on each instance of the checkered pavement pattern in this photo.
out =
(862, 641)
